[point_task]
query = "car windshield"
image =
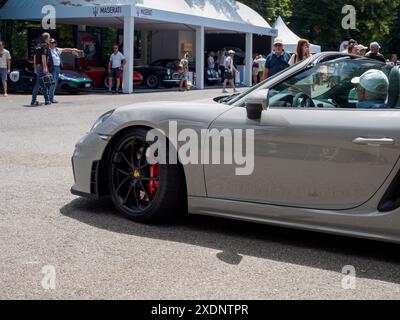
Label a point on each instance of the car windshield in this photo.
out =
(264, 84)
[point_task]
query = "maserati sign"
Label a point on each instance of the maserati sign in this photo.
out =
(107, 11)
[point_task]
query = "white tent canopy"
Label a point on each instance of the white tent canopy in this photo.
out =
(200, 16)
(290, 39)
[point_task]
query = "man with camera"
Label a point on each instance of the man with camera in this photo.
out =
(42, 64)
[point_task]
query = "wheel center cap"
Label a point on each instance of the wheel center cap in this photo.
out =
(136, 173)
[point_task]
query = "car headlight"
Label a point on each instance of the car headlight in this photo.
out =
(102, 119)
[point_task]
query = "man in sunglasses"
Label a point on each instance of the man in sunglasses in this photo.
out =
(5, 66)
(277, 61)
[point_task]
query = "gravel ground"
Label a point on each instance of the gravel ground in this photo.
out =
(96, 254)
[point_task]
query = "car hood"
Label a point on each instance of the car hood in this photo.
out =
(158, 115)
(75, 75)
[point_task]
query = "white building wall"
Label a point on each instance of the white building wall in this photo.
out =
(165, 45)
(187, 37)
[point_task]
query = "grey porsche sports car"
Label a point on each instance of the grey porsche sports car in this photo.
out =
(326, 153)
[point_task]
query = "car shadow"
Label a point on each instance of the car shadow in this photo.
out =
(235, 239)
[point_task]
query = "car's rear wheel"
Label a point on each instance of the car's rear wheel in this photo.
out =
(144, 192)
(152, 81)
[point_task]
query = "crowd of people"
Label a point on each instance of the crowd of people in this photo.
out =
(360, 50)
(224, 63)
(48, 64)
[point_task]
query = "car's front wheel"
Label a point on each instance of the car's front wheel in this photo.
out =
(144, 192)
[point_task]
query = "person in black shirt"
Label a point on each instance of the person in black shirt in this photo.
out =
(42, 65)
(374, 52)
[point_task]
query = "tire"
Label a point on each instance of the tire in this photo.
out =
(134, 197)
(153, 81)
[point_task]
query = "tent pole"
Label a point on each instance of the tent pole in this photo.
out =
(129, 38)
(248, 78)
(200, 57)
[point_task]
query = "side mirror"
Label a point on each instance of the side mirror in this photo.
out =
(256, 103)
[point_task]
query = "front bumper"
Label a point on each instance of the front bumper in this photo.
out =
(76, 85)
(85, 163)
(171, 81)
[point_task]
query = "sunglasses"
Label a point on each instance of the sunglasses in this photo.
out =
(278, 45)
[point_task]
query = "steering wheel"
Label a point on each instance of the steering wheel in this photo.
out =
(303, 100)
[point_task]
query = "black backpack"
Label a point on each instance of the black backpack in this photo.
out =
(39, 52)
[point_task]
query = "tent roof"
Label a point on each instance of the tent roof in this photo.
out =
(228, 11)
(289, 38)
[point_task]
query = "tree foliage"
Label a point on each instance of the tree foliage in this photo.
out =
(321, 21)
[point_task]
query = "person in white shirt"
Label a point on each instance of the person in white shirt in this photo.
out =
(211, 61)
(350, 45)
(57, 65)
(261, 61)
(5, 66)
(115, 68)
(230, 72)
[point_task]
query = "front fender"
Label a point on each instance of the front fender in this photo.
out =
(159, 116)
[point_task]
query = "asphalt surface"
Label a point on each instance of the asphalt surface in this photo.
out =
(96, 254)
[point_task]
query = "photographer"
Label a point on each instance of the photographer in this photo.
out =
(42, 65)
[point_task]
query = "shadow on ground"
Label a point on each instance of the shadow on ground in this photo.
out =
(235, 239)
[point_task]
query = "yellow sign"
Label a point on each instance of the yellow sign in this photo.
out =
(187, 47)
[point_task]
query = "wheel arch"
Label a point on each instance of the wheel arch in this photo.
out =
(102, 181)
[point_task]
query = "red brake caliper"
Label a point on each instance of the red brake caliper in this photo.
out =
(153, 185)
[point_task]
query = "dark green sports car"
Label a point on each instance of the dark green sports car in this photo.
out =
(23, 79)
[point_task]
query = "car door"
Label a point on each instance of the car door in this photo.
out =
(332, 156)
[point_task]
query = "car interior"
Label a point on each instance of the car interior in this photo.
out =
(328, 85)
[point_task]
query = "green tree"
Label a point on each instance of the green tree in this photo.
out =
(321, 21)
(271, 9)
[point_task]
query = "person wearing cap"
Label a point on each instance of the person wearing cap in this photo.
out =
(374, 52)
(372, 89)
(230, 71)
(276, 61)
(57, 65)
(362, 50)
(350, 45)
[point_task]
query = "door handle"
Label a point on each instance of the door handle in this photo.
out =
(372, 141)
